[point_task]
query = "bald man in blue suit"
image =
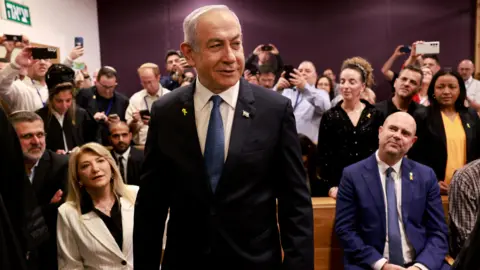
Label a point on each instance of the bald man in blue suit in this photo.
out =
(389, 211)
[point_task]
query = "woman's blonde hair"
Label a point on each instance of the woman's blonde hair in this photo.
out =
(363, 66)
(74, 189)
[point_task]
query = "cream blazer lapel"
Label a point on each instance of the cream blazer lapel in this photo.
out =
(99, 231)
(127, 226)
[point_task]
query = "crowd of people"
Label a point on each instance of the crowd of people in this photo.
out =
(214, 163)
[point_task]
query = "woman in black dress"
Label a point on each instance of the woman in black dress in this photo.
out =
(349, 131)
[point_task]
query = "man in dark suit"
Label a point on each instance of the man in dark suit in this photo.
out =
(219, 154)
(47, 172)
(407, 85)
(129, 159)
(102, 101)
(389, 212)
(17, 199)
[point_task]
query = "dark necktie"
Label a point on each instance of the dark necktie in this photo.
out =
(121, 167)
(394, 237)
(214, 146)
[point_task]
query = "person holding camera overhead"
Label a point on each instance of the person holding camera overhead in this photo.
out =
(175, 64)
(31, 93)
(309, 103)
(138, 111)
(265, 55)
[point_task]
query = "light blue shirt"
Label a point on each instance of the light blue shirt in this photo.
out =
(32, 173)
(308, 108)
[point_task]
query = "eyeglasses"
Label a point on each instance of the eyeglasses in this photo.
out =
(29, 136)
(106, 86)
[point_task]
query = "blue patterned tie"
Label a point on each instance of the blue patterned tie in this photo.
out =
(214, 146)
(394, 237)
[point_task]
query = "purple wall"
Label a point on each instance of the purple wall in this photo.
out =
(326, 32)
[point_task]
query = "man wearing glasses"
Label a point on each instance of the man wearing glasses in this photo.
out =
(47, 172)
(102, 101)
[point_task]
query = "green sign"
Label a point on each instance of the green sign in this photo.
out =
(18, 13)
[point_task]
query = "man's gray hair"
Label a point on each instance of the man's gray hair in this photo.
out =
(191, 21)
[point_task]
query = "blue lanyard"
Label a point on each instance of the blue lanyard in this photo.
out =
(109, 108)
(38, 92)
(107, 112)
(296, 100)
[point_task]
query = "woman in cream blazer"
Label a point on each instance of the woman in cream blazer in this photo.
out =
(95, 224)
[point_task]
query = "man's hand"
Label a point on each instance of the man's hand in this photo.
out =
(61, 152)
(474, 105)
(389, 266)
(397, 51)
(76, 53)
(298, 80)
(9, 46)
(282, 83)
(247, 74)
(413, 268)
(332, 193)
(99, 116)
(413, 53)
(258, 49)
(57, 197)
(274, 49)
(183, 63)
(443, 187)
(113, 118)
(24, 58)
(136, 117)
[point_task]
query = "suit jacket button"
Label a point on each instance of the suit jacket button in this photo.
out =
(124, 263)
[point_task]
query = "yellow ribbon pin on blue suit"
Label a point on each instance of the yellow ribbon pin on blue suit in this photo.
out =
(411, 176)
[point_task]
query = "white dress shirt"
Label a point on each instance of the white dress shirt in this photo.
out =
(203, 107)
(138, 102)
(473, 89)
(32, 171)
(26, 95)
(125, 156)
(60, 119)
(407, 249)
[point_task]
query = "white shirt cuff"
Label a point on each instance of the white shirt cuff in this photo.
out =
(379, 264)
(421, 266)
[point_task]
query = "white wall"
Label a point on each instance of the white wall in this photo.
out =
(57, 23)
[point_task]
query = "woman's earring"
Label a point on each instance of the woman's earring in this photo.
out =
(80, 184)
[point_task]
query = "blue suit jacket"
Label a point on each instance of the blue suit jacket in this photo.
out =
(360, 221)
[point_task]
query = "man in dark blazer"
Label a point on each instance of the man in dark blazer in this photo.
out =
(129, 159)
(17, 199)
(219, 154)
(407, 85)
(389, 211)
(47, 172)
(102, 101)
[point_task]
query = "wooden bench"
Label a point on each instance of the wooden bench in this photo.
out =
(328, 254)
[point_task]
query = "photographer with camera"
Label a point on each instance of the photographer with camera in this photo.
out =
(138, 111)
(175, 64)
(31, 93)
(266, 55)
